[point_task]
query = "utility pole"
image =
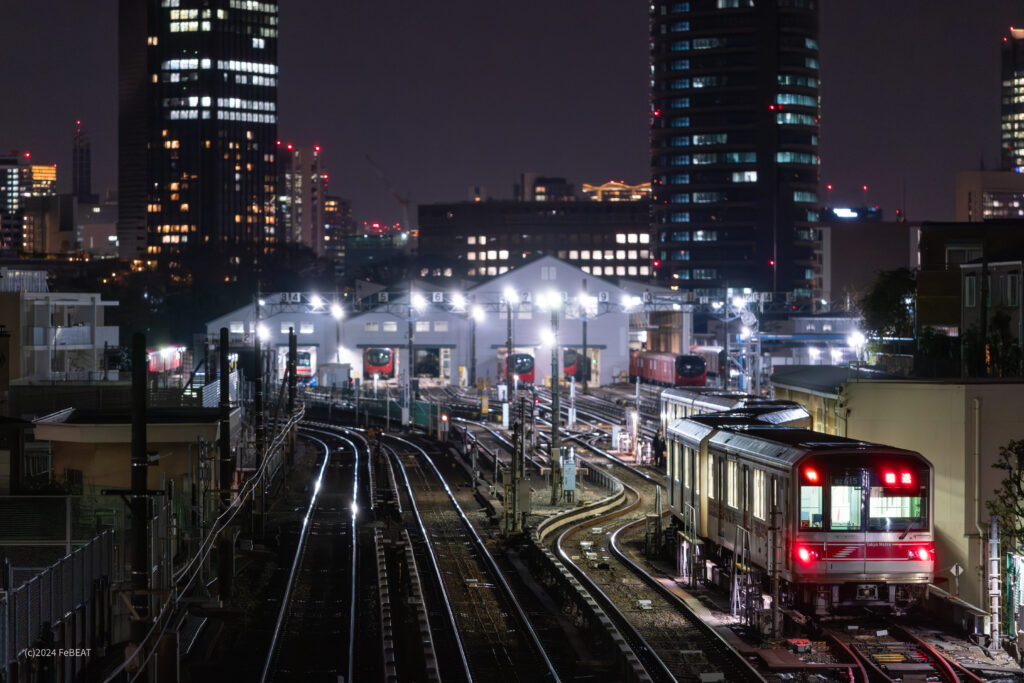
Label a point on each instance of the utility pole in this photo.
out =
(408, 370)
(292, 380)
(139, 499)
(585, 361)
(556, 441)
(776, 564)
(227, 465)
(257, 367)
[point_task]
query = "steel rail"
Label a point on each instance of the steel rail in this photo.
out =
(482, 549)
(299, 552)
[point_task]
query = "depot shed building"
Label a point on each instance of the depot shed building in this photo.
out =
(460, 337)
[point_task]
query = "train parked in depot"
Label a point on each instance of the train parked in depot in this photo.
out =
(379, 362)
(522, 368)
(667, 369)
(842, 523)
(574, 366)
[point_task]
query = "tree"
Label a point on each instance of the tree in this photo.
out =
(1008, 504)
(1008, 508)
(884, 306)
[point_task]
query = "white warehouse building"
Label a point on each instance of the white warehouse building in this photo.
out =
(457, 337)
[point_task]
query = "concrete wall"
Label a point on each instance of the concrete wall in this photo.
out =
(959, 428)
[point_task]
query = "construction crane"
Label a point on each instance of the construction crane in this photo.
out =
(402, 201)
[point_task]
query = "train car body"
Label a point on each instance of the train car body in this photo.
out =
(667, 369)
(378, 361)
(573, 365)
(853, 519)
(304, 364)
(691, 401)
(522, 368)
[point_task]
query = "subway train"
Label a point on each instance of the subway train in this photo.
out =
(574, 366)
(380, 362)
(690, 401)
(667, 369)
(522, 368)
(849, 522)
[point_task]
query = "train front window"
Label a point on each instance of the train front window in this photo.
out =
(378, 357)
(810, 507)
(894, 510)
(846, 502)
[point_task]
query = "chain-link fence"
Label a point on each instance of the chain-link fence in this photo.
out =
(57, 602)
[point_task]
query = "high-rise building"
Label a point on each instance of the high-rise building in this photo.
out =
(81, 166)
(338, 225)
(197, 123)
(1013, 101)
(20, 179)
(734, 144)
(301, 187)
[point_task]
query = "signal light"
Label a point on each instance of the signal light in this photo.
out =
(890, 478)
(771, 262)
(444, 418)
(811, 474)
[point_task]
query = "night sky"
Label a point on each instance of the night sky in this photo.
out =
(454, 93)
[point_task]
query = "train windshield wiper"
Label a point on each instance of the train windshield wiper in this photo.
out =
(912, 523)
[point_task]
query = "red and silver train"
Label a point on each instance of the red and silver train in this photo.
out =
(667, 369)
(378, 361)
(522, 368)
(853, 520)
(573, 365)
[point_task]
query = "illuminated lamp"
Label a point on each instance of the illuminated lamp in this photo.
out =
(811, 474)
(922, 553)
(890, 478)
(803, 554)
(906, 479)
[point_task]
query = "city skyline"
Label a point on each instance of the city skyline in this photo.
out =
(566, 97)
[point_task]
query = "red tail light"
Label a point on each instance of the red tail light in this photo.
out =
(804, 555)
(923, 554)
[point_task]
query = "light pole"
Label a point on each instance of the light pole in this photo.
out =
(476, 316)
(337, 313)
(511, 298)
(554, 302)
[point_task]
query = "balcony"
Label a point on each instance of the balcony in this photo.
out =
(68, 338)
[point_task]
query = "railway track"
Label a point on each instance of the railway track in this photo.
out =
(318, 609)
(493, 638)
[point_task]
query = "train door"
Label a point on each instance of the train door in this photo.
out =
(702, 475)
(846, 539)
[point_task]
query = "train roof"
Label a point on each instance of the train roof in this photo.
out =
(743, 434)
(771, 413)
